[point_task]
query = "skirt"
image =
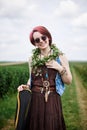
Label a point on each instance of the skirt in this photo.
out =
(45, 115)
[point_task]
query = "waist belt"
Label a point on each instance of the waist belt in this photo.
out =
(43, 90)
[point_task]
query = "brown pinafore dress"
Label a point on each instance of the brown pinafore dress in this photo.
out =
(45, 115)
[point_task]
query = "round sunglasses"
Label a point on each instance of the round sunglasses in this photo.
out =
(37, 40)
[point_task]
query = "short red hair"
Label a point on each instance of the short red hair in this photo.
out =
(43, 31)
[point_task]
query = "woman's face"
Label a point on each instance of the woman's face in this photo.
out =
(41, 41)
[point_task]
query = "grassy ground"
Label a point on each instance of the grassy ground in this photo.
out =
(7, 111)
(81, 90)
(71, 108)
(74, 102)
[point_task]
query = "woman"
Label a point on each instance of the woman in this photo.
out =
(46, 63)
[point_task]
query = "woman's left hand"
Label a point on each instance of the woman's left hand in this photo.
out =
(66, 77)
(54, 64)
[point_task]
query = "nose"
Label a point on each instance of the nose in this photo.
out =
(41, 39)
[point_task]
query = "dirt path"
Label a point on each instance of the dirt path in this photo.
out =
(82, 100)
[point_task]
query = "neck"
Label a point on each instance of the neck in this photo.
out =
(46, 52)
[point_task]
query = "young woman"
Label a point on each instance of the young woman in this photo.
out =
(49, 71)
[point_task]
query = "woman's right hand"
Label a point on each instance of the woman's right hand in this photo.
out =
(22, 87)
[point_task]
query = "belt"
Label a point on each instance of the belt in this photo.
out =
(42, 89)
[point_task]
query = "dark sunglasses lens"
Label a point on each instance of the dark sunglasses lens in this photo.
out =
(43, 38)
(37, 40)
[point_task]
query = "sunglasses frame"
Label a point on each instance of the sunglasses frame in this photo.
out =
(37, 40)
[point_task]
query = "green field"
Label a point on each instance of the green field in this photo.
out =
(74, 100)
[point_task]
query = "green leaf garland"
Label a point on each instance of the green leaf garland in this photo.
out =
(37, 61)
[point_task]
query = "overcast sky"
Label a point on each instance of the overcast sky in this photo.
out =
(65, 19)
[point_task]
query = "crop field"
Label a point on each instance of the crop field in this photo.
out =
(74, 99)
(11, 76)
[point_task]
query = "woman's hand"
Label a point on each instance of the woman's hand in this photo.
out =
(55, 65)
(62, 68)
(22, 87)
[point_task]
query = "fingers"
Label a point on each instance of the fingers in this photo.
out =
(53, 64)
(21, 87)
(49, 64)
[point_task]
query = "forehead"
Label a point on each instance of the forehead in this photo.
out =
(37, 34)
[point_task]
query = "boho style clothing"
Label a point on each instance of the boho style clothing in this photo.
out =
(45, 115)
